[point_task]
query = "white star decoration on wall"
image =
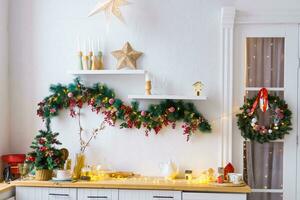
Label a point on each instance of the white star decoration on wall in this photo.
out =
(110, 7)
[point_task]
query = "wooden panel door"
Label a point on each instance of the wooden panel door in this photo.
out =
(149, 195)
(97, 194)
(211, 196)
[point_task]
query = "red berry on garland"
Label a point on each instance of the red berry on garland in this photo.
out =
(171, 109)
(157, 129)
(111, 101)
(91, 101)
(79, 103)
(70, 95)
(173, 125)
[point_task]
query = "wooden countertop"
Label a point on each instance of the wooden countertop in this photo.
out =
(143, 183)
(5, 187)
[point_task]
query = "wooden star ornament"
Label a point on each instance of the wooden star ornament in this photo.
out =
(110, 7)
(126, 57)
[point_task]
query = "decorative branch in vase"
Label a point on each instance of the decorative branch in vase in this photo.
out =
(95, 132)
(80, 157)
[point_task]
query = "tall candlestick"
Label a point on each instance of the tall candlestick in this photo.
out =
(148, 87)
(79, 54)
(90, 55)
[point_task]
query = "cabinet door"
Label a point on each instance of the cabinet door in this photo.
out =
(32, 193)
(212, 196)
(97, 194)
(62, 193)
(149, 195)
(37, 193)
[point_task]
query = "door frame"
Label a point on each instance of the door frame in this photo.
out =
(290, 33)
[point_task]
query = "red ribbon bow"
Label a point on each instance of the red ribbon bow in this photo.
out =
(262, 98)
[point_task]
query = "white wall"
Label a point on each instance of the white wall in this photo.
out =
(4, 126)
(181, 44)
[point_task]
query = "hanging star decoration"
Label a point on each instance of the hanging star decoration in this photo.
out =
(126, 57)
(110, 7)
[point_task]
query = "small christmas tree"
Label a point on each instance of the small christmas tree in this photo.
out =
(45, 154)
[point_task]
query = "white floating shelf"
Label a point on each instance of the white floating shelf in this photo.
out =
(171, 97)
(107, 72)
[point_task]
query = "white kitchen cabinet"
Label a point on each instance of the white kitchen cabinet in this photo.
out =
(149, 195)
(98, 194)
(212, 196)
(38, 193)
(43, 193)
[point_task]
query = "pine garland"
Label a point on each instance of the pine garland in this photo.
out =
(103, 100)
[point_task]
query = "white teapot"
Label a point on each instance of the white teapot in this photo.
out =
(169, 170)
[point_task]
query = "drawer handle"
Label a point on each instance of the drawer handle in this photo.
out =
(163, 197)
(60, 195)
(97, 197)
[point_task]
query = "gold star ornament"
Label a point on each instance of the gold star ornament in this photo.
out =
(110, 7)
(126, 57)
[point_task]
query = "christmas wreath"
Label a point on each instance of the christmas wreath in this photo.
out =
(280, 118)
(103, 100)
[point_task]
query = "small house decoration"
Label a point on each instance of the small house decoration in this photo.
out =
(198, 87)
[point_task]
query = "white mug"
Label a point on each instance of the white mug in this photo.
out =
(63, 174)
(235, 178)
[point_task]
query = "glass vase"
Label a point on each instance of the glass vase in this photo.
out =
(79, 164)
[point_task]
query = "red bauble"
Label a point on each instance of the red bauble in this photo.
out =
(42, 141)
(42, 149)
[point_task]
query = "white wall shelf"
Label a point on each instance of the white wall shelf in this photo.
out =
(171, 97)
(107, 72)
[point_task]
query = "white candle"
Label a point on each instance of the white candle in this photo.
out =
(90, 45)
(93, 49)
(98, 43)
(147, 77)
(85, 47)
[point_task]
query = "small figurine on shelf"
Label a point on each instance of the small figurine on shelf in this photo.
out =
(188, 175)
(211, 175)
(220, 176)
(198, 87)
(228, 169)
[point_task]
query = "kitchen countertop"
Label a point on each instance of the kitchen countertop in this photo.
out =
(5, 187)
(143, 183)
